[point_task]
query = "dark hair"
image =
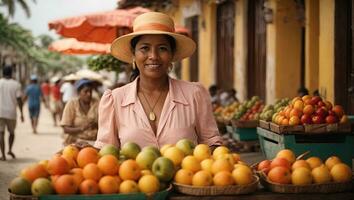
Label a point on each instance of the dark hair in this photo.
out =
(213, 89)
(134, 42)
(7, 71)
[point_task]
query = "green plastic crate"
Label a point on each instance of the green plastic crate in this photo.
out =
(322, 146)
(245, 134)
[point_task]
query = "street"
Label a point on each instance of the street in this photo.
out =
(28, 147)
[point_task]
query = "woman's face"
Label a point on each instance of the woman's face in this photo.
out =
(153, 56)
(85, 94)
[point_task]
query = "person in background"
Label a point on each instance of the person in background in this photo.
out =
(79, 120)
(34, 95)
(45, 88)
(316, 93)
(302, 91)
(68, 91)
(213, 91)
(56, 105)
(155, 109)
(10, 97)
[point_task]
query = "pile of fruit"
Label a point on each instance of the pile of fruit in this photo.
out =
(225, 113)
(310, 110)
(286, 169)
(89, 171)
(249, 110)
(202, 167)
(269, 110)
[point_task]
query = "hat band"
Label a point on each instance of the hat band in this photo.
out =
(154, 27)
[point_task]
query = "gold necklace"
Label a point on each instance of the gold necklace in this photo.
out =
(152, 116)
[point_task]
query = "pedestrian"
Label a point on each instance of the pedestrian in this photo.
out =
(155, 109)
(68, 91)
(45, 88)
(56, 105)
(34, 95)
(10, 96)
(79, 120)
(302, 91)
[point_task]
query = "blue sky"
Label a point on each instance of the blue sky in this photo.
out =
(44, 11)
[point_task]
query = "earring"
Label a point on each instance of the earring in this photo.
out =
(133, 64)
(171, 67)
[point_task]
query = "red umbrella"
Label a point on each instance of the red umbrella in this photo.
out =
(72, 46)
(102, 27)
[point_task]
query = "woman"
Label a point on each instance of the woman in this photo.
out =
(79, 119)
(155, 109)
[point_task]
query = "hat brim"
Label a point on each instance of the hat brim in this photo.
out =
(121, 47)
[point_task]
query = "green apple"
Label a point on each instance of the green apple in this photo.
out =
(186, 145)
(42, 186)
(109, 149)
(145, 159)
(163, 168)
(152, 148)
(130, 150)
(20, 185)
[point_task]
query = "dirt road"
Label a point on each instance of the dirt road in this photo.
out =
(29, 148)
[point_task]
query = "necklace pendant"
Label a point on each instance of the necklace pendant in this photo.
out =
(152, 116)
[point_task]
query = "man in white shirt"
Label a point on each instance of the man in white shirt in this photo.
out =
(68, 91)
(10, 96)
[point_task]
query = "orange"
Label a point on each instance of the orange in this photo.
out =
(91, 171)
(128, 186)
(108, 164)
(58, 166)
(280, 175)
(341, 173)
(33, 172)
(301, 176)
(223, 178)
(242, 175)
(77, 174)
(129, 170)
(65, 184)
(219, 151)
(149, 184)
(108, 185)
(184, 176)
(202, 152)
(321, 174)
(89, 186)
(331, 161)
(314, 162)
(70, 160)
(278, 161)
(202, 178)
(87, 155)
(191, 163)
(221, 165)
(70, 151)
(300, 163)
(207, 164)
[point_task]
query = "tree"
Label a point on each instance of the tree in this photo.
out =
(11, 5)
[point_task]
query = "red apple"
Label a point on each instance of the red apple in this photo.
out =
(309, 109)
(338, 110)
(328, 104)
(306, 119)
(330, 119)
(321, 103)
(316, 119)
(315, 100)
(264, 166)
(321, 112)
(331, 112)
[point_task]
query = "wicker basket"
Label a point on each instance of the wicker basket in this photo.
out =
(312, 188)
(217, 190)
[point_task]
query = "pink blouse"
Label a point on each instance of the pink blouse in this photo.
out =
(186, 113)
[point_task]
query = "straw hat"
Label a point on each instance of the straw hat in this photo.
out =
(152, 23)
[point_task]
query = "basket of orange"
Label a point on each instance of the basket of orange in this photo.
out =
(288, 174)
(220, 172)
(109, 173)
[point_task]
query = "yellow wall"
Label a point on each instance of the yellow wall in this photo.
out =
(284, 57)
(206, 41)
(312, 45)
(326, 50)
(240, 48)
